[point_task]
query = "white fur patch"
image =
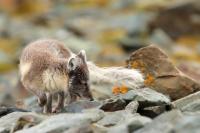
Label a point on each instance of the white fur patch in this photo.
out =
(24, 69)
(54, 82)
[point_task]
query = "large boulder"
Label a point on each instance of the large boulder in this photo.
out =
(160, 73)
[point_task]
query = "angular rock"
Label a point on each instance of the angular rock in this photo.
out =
(189, 124)
(161, 74)
(146, 97)
(113, 105)
(189, 103)
(85, 128)
(169, 19)
(191, 68)
(132, 107)
(173, 121)
(63, 122)
(163, 123)
(154, 111)
(123, 121)
(7, 110)
(10, 121)
(79, 106)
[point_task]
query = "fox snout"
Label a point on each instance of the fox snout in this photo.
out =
(87, 96)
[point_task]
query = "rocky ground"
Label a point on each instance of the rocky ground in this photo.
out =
(164, 105)
(111, 31)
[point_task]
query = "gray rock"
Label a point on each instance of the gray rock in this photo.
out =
(130, 125)
(63, 122)
(134, 23)
(132, 107)
(31, 104)
(160, 38)
(146, 97)
(189, 103)
(10, 121)
(173, 121)
(154, 111)
(130, 44)
(113, 104)
(7, 110)
(84, 128)
(79, 106)
(189, 124)
(163, 123)
(123, 120)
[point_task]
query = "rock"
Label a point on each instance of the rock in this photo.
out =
(173, 121)
(122, 121)
(6, 63)
(169, 19)
(189, 103)
(6, 99)
(113, 105)
(7, 110)
(31, 104)
(10, 121)
(133, 23)
(160, 38)
(161, 74)
(154, 111)
(130, 44)
(132, 107)
(189, 124)
(146, 97)
(79, 106)
(117, 117)
(192, 69)
(163, 123)
(84, 128)
(63, 122)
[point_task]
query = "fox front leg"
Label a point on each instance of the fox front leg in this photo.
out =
(70, 98)
(42, 99)
(60, 102)
(48, 105)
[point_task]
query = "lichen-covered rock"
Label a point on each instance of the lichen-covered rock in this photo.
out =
(161, 74)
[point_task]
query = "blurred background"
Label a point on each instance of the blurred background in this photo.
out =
(109, 30)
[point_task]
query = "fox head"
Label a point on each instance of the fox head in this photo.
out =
(79, 76)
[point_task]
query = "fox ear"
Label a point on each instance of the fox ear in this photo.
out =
(82, 55)
(72, 63)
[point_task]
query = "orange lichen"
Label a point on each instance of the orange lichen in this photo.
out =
(116, 90)
(123, 89)
(135, 64)
(138, 65)
(149, 79)
(119, 89)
